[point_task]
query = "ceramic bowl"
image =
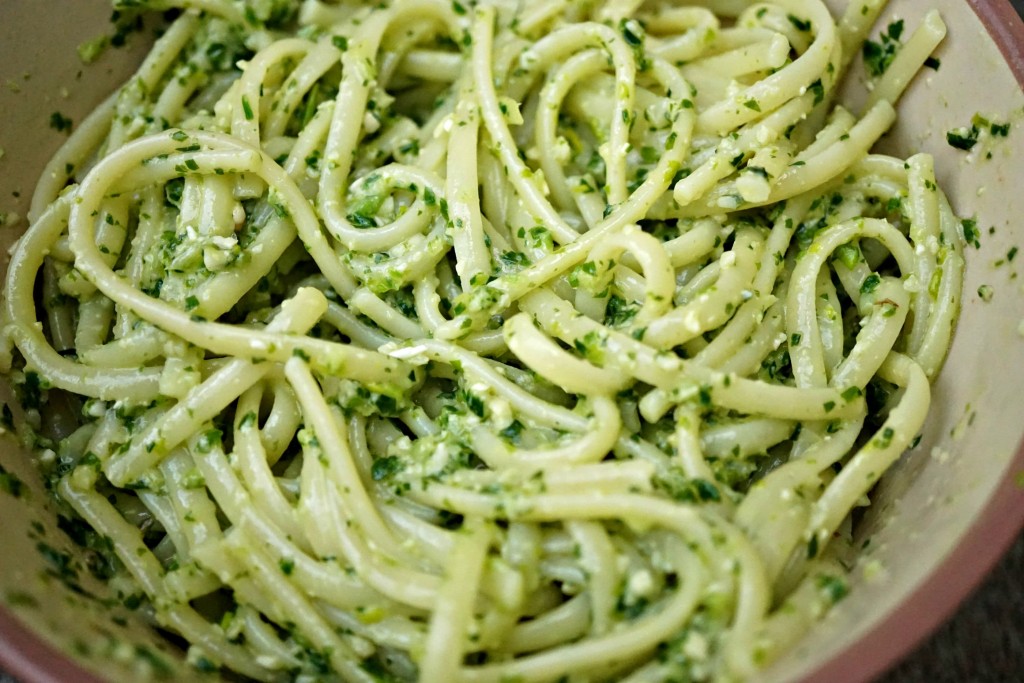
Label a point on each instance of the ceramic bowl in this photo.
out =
(942, 517)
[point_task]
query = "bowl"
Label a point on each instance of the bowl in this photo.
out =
(943, 515)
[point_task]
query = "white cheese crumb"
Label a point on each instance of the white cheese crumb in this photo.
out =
(696, 646)
(370, 123)
(873, 569)
(268, 661)
(215, 259)
(501, 412)
(94, 408)
(641, 584)
(413, 354)
(220, 242)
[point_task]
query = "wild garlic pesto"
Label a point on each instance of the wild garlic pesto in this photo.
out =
(445, 341)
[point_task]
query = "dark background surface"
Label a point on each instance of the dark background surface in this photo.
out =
(982, 643)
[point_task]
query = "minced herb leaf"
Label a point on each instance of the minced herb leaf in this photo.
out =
(972, 235)
(385, 467)
(833, 587)
(60, 123)
(962, 138)
(870, 283)
(800, 24)
(90, 50)
(879, 55)
(10, 484)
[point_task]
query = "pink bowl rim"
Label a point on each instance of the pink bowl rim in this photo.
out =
(32, 659)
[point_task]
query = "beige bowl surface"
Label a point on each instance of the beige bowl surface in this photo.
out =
(943, 516)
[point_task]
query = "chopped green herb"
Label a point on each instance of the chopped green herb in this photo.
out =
(972, 235)
(833, 587)
(848, 255)
(60, 123)
(819, 91)
(870, 283)
(962, 138)
(800, 24)
(90, 50)
(879, 55)
(10, 484)
(385, 467)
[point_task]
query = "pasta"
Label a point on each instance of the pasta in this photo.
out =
(517, 341)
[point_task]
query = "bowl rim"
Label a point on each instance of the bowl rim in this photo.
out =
(30, 657)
